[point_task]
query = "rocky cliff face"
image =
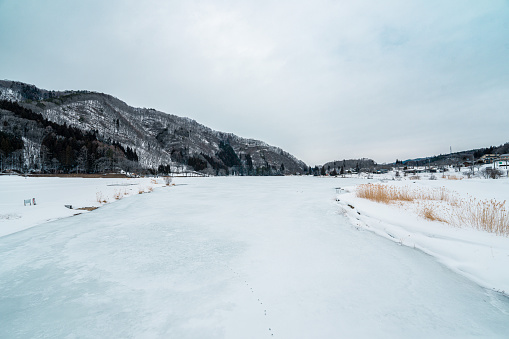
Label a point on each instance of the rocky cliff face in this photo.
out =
(159, 139)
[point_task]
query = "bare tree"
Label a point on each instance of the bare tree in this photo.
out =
(491, 173)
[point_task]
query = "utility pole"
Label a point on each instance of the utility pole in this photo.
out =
(450, 155)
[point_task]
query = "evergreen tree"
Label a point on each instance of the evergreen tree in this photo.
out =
(249, 164)
(228, 155)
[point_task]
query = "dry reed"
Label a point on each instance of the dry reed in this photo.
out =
(117, 195)
(88, 208)
(487, 215)
(100, 198)
(444, 206)
(382, 193)
(429, 212)
(388, 194)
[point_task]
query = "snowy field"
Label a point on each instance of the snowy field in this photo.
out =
(53, 194)
(233, 257)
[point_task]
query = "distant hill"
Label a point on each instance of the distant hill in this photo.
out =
(457, 157)
(68, 131)
(349, 164)
(369, 165)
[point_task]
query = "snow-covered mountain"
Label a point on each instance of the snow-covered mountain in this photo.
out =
(158, 138)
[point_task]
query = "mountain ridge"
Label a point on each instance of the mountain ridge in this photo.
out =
(158, 138)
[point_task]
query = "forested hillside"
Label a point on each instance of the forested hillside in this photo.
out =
(82, 131)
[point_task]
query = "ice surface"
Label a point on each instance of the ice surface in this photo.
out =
(232, 258)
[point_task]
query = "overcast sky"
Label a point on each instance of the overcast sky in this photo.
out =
(324, 80)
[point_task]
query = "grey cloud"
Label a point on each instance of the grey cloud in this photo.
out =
(323, 79)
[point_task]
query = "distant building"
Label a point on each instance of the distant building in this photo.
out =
(489, 158)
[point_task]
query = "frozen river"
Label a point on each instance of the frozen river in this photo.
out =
(232, 258)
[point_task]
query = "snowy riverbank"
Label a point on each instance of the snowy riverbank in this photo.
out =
(52, 194)
(482, 257)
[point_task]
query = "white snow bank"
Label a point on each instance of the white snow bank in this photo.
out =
(51, 194)
(482, 257)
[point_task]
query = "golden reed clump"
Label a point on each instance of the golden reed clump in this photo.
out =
(388, 194)
(487, 215)
(444, 206)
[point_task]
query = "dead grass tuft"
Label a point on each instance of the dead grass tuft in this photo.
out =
(100, 198)
(429, 212)
(118, 195)
(90, 208)
(451, 177)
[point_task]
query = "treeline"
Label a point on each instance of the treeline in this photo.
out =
(11, 148)
(63, 149)
(129, 153)
(502, 149)
(9, 143)
(61, 130)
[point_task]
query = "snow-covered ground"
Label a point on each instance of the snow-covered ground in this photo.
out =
(53, 194)
(230, 258)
